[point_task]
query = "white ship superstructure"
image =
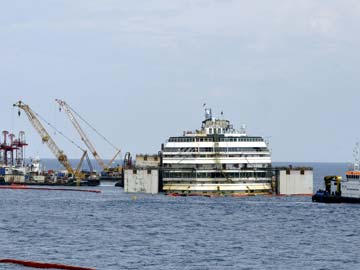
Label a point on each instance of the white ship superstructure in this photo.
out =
(350, 186)
(216, 159)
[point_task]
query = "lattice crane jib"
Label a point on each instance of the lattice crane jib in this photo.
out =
(83, 136)
(81, 132)
(45, 137)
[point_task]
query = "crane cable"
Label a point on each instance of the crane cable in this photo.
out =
(94, 129)
(58, 131)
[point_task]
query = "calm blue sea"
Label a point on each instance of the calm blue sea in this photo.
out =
(114, 230)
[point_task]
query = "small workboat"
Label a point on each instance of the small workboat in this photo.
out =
(347, 190)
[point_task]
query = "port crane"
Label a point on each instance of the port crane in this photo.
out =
(71, 114)
(46, 138)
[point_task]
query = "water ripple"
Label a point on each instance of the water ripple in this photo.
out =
(112, 231)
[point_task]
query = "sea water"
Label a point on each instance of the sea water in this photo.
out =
(115, 230)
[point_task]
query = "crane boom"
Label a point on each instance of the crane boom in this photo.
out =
(45, 137)
(78, 167)
(83, 136)
(113, 159)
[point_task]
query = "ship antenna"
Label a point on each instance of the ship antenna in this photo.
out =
(356, 157)
(208, 114)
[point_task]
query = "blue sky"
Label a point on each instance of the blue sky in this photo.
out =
(141, 70)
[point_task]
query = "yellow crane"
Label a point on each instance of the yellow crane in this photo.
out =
(46, 138)
(337, 181)
(71, 114)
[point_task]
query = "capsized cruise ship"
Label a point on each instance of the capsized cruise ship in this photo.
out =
(217, 159)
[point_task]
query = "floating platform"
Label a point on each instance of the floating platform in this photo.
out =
(24, 187)
(87, 183)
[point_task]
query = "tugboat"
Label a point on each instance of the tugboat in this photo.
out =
(347, 190)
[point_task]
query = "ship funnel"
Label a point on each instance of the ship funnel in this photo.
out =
(208, 114)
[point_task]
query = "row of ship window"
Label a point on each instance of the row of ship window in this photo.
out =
(215, 149)
(217, 130)
(219, 181)
(215, 156)
(214, 174)
(220, 139)
(353, 176)
(234, 166)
